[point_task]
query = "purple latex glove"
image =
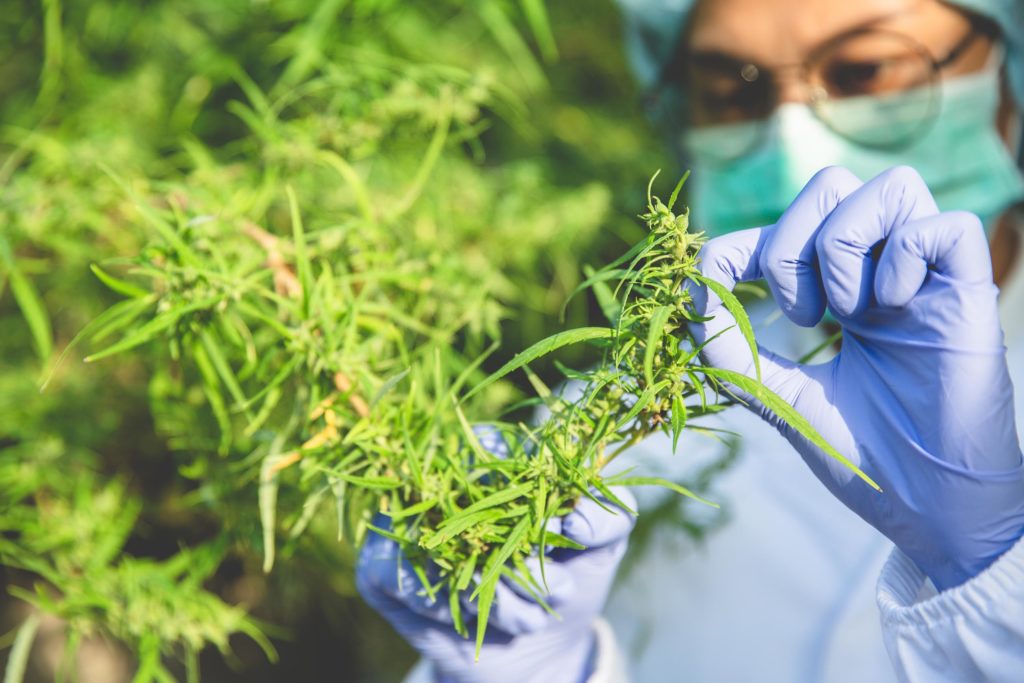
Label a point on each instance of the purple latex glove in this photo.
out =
(919, 396)
(524, 643)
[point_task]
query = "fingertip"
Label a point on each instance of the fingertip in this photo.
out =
(901, 270)
(903, 185)
(807, 313)
(788, 258)
(831, 185)
(795, 285)
(845, 273)
(727, 259)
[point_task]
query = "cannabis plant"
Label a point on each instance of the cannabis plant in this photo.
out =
(299, 243)
(335, 351)
(425, 140)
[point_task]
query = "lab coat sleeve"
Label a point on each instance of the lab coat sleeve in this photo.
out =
(609, 666)
(973, 632)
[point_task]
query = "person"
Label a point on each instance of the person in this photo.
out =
(873, 142)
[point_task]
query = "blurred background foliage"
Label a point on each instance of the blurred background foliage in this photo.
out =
(127, 550)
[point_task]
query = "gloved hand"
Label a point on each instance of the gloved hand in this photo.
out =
(524, 643)
(919, 396)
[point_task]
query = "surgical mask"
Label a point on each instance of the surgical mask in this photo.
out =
(961, 156)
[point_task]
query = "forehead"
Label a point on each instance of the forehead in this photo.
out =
(783, 31)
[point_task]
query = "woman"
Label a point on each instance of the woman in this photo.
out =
(774, 91)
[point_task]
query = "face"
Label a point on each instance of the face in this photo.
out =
(746, 57)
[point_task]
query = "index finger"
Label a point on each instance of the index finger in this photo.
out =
(789, 261)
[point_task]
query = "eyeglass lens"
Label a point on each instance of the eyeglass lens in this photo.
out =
(852, 82)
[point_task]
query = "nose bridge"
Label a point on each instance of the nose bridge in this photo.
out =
(791, 83)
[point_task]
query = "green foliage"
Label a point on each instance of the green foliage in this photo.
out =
(294, 239)
(71, 535)
(157, 163)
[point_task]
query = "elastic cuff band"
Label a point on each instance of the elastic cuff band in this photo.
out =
(901, 583)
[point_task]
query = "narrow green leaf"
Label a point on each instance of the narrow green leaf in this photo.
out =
(642, 401)
(542, 348)
(376, 483)
(610, 306)
(450, 531)
(537, 17)
(268, 507)
(630, 254)
(223, 369)
(167, 231)
(117, 284)
(678, 420)
(387, 386)
(413, 510)
(499, 497)
(390, 535)
(338, 487)
(597, 280)
(430, 157)
(650, 190)
(466, 573)
(471, 438)
(302, 265)
(556, 540)
(531, 590)
(675, 192)
(309, 510)
(211, 389)
(284, 373)
(265, 411)
(494, 17)
(498, 559)
(827, 343)
(455, 607)
(539, 387)
(486, 599)
(664, 483)
(698, 386)
(34, 312)
(472, 367)
(17, 660)
(355, 183)
(788, 414)
(603, 489)
(151, 329)
(739, 314)
(655, 332)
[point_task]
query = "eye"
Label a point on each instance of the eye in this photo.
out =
(893, 73)
(855, 78)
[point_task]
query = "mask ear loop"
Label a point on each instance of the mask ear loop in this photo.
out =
(1015, 136)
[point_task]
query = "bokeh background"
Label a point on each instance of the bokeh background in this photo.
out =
(125, 536)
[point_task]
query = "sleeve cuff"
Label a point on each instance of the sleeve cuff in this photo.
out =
(973, 632)
(609, 664)
(906, 597)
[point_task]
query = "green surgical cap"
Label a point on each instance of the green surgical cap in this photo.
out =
(653, 27)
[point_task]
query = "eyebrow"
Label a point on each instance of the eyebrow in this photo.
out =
(724, 60)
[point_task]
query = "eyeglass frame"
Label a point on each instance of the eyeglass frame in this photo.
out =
(670, 76)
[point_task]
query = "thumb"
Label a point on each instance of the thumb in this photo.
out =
(729, 260)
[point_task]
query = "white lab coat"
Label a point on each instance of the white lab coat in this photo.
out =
(795, 588)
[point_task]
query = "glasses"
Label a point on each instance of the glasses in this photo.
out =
(853, 81)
